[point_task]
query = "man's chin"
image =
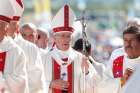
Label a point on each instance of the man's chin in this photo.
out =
(66, 48)
(130, 54)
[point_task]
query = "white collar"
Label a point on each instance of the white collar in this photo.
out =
(18, 37)
(58, 55)
(132, 63)
(6, 44)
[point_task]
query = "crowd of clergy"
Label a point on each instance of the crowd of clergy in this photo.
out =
(29, 65)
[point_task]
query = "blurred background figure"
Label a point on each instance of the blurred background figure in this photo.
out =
(78, 46)
(42, 38)
(33, 59)
(42, 42)
(133, 21)
(29, 33)
(109, 46)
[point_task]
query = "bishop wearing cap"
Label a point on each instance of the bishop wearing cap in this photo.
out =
(34, 84)
(64, 66)
(12, 58)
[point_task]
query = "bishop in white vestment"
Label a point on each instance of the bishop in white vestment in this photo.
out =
(63, 66)
(124, 61)
(12, 66)
(34, 65)
(12, 58)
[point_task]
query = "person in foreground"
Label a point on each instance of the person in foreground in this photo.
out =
(66, 70)
(12, 58)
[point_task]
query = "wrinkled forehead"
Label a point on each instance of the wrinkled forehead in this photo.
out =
(63, 33)
(28, 26)
(14, 22)
(3, 24)
(28, 29)
(129, 36)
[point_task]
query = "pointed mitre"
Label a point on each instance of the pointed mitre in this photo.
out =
(6, 10)
(19, 8)
(63, 21)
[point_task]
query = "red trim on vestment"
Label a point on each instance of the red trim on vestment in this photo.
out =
(58, 29)
(70, 77)
(56, 75)
(2, 61)
(66, 26)
(20, 3)
(118, 67)
(16, 18)
(66, 16)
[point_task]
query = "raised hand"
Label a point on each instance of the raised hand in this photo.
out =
(85, 64)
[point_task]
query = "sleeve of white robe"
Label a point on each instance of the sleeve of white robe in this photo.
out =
(99, 69)
(47, 71)
(109, 84)
(15, 81)
(17, 78)
(43, 56)
(35, 71)
(90, 79)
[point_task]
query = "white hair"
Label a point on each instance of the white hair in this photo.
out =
(44, 31)
(31, 25)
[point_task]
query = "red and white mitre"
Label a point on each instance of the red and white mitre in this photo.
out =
(63, 21)
(6, 10)
(19, 8)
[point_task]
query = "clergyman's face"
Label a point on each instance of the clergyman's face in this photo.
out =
(29, 34)
(63, 40)
(131, 44)
(42, 39)
(13, 27)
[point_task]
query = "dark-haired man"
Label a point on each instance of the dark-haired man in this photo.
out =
(124, 61)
